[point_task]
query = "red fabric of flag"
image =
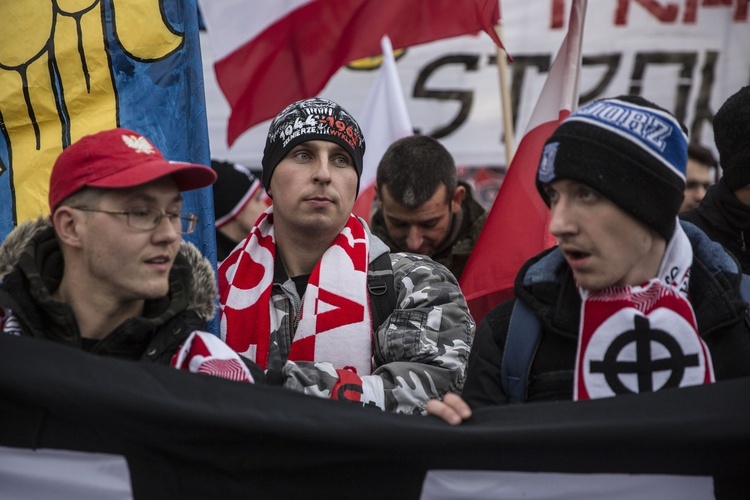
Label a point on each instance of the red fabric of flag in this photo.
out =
(294, 57)
(517, 227)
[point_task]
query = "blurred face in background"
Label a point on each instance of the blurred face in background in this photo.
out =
(698, 178)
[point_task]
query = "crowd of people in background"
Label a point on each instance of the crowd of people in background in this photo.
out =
(313, 299)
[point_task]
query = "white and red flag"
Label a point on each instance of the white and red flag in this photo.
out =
(384, 120)
(270, 53)
(517, 227)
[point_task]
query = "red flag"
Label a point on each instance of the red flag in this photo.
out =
(271, 53)
(384, 120)
(517, 227)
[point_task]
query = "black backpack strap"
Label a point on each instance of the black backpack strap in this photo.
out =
(524, 333)
(381, 288)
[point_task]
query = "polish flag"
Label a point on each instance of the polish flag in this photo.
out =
(270, 53)
(517, 227)
(384, 120)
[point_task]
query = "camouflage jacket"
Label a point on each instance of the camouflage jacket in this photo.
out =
(425, 342)
(31, 267)
(455, 251)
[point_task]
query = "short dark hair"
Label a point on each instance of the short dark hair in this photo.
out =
(87, 196)
(702, 155)
(413, 169)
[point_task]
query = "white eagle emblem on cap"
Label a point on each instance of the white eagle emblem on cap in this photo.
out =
(140, 144)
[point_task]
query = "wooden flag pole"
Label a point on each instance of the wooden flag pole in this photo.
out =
(502, 67)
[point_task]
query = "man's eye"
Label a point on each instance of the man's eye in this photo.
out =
(341, 161)
(141, 213)
(587, 194)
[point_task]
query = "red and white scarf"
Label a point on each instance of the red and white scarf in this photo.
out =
(642, 338)
(204, 353)
(335, 321)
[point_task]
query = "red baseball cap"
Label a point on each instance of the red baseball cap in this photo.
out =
(118, 158)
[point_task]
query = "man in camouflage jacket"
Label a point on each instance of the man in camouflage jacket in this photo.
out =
(311, 168)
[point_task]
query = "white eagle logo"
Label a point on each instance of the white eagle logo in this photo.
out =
(139, 143)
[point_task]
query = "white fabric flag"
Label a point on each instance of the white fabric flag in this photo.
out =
(384, 119)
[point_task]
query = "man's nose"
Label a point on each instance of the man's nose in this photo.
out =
(322, 169)
(561, 222)
(166, 230)
(414, 239)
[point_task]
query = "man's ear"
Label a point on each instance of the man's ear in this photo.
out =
(458, 198)
(378, 199)
(67, 223)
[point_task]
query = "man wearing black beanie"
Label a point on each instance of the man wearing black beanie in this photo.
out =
(724, 213)
(630, 301)
(297, 295)
(238, 201)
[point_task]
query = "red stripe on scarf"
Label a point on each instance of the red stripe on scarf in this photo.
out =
(334, 321)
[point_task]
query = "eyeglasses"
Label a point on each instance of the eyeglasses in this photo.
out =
(147, 219)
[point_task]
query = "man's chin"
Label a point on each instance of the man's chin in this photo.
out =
(154, 292)
(418, 252)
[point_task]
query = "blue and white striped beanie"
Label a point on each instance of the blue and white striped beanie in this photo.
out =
(630, 150)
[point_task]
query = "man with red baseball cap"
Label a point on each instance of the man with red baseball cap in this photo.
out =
(107, 270)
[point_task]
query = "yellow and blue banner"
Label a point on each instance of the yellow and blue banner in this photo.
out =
(69, 69)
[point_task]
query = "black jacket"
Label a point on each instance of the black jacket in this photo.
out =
(546, 284)
(31, 268)
(726, 220)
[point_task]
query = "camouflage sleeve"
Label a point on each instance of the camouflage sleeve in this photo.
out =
(425, 342)
(421, 349)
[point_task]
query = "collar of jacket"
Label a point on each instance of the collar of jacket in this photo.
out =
(721, 208)
(466, 226)
(545, 282)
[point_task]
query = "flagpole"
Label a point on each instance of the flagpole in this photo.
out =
(502, 68)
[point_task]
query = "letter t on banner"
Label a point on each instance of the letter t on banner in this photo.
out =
(517, 227)
(384, 120)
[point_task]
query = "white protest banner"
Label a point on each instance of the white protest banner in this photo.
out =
(687, 56)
